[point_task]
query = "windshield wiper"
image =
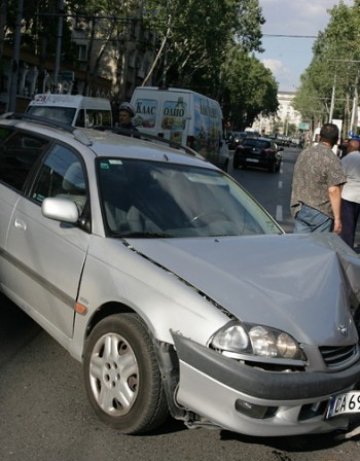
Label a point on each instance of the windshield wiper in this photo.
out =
(145, 235)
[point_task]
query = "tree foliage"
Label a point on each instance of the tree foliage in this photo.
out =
(249, 88)
(208, 48)
(197, 33)
(334, 66)
(205, 45)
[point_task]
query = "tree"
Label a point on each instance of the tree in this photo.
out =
(249, 88)
(194, 38)
(108, 23)
(207, 45)
(336, 57)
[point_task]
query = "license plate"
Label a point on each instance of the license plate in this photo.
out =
(343, 404)
(252, 160)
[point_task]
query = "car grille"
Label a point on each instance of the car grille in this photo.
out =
(338, 357)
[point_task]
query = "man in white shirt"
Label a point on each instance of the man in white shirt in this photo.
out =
(350, 196)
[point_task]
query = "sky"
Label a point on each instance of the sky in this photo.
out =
(288, 57)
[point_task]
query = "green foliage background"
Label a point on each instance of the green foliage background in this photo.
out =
(205, 45)
(334, 67)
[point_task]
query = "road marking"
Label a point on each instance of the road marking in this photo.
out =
(280, 184)
(279, 213)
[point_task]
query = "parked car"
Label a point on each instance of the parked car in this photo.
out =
(283, 140)
(258, 152)
(174, 288)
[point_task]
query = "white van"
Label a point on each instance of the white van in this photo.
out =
(182, 116)
(75, 110)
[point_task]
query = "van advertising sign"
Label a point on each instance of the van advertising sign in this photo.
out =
(174, 118)
(145, 113)
(207, 132)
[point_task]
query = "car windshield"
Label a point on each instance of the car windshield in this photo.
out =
(150, 199)
(58, 114)
(238, 134)
(256, 143)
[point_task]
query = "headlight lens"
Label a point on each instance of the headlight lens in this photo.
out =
(258, 340)
(263, 341)
(233, 338)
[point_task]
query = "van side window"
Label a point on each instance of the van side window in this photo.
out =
(18, 153)
(59, 114)
(61, 175)
(97, 117)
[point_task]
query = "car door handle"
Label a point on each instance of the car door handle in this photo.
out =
(19, 224)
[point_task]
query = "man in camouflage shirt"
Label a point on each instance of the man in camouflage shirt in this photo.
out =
(317, 183)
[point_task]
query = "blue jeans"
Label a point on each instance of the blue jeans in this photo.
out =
(350, 212)
(311, 220)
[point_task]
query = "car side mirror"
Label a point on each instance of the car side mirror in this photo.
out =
(60, 209)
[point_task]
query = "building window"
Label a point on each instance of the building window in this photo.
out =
(82, 52)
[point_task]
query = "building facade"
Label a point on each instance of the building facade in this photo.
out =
(285, 119)
(109, 68)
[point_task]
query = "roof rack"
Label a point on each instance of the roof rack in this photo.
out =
(42, 120)
(149, 137)
(85, 140)
(78, 134)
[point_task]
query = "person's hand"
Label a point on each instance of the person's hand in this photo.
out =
(337, 226)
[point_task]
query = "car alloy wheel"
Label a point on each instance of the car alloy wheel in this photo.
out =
(122, 377)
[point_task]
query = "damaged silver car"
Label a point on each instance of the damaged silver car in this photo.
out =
(175, 289)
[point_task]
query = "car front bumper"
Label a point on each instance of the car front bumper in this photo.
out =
(255, 402)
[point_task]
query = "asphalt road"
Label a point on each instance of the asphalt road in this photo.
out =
(45, 415)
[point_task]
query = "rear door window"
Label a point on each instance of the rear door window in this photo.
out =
(18, 153)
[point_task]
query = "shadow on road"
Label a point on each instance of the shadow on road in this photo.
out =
(304, 443)
(16, 329)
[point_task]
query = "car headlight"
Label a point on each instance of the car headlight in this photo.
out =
(259, 340)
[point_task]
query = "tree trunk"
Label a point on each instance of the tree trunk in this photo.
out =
(159, 53)
(3, 14)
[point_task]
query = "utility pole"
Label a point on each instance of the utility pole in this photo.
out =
(59, 43)
(15, 59)
(355, 100)
(354, 112)
(332, 105)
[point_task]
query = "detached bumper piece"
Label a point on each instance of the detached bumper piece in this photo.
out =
(254, 401)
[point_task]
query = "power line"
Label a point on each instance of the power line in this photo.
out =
(290, 36)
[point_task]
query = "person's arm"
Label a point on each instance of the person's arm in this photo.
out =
(335, 200)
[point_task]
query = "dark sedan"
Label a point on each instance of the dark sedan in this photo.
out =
(258, 152)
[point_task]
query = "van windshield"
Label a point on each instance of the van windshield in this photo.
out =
(59, 114)
(149, 199)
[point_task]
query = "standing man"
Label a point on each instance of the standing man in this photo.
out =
(317, 183)
(350, 203)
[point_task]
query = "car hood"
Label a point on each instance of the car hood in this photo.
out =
(302, 284)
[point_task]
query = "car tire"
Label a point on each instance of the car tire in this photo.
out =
(122, 377)
(235, 162)
(226, 166)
